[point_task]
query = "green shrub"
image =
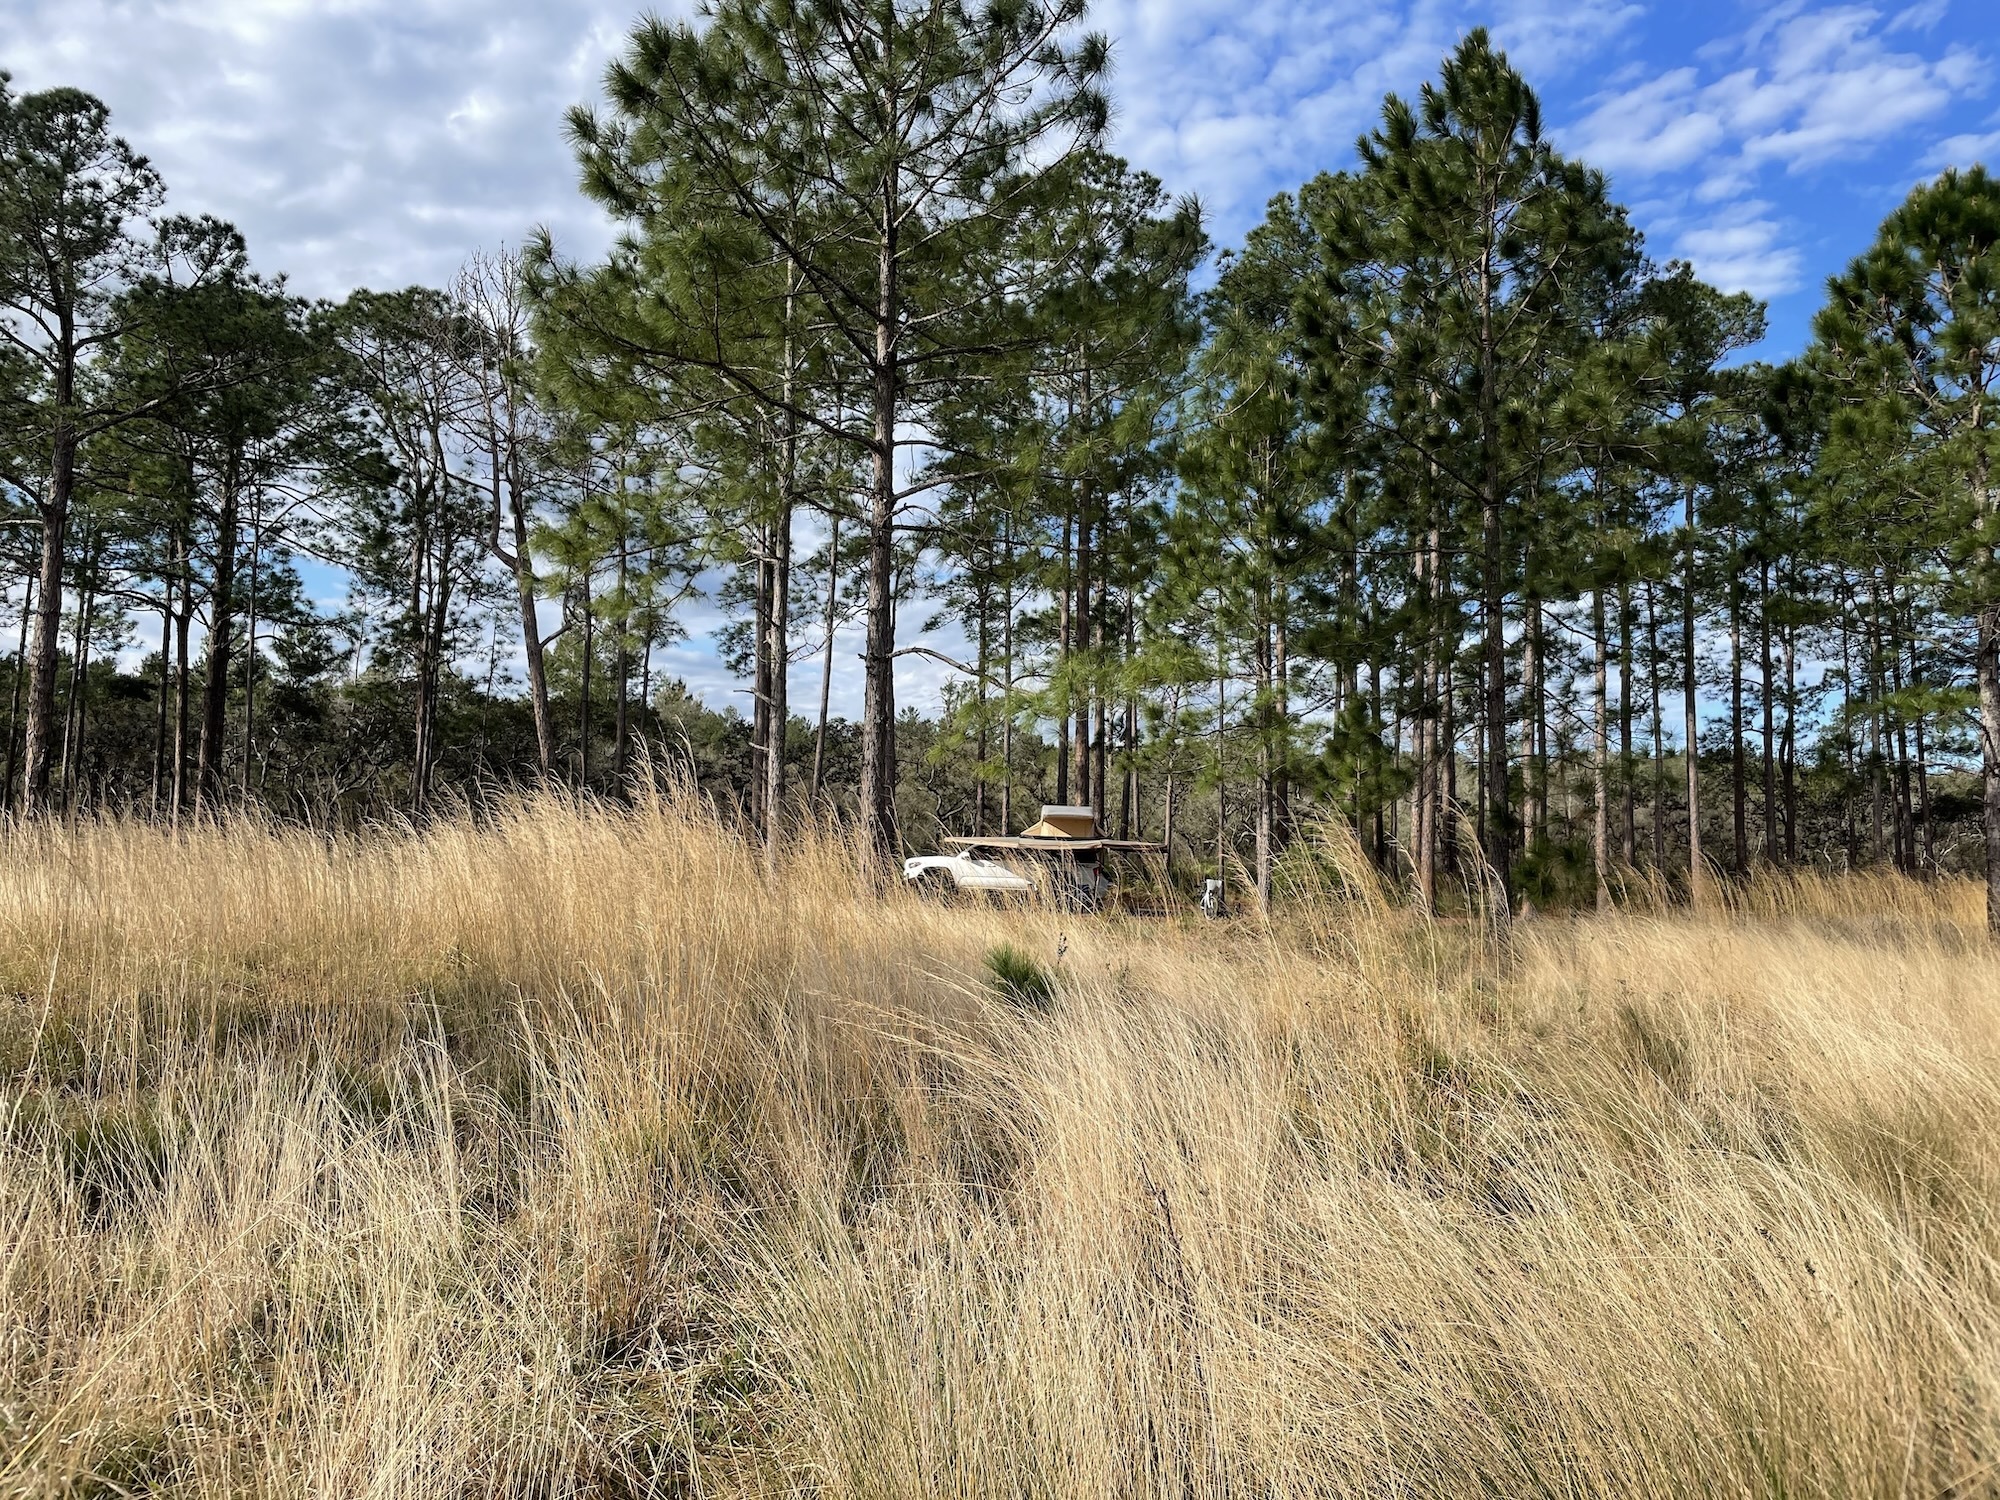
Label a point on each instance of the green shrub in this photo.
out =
(1019, 979)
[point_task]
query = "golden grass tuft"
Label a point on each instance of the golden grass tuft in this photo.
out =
(560, 1154)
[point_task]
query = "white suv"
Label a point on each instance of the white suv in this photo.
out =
(1077, 879)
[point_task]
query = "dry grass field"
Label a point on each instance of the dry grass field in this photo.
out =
(563, 1155)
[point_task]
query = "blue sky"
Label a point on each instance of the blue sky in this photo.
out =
(377, 142)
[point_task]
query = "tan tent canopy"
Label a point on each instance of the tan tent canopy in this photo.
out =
(1064, 823)
(1061, 829)
(1054, 845)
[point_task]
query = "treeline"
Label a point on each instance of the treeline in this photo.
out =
(1436, 506)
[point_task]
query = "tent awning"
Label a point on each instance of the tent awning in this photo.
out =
(1056, 845)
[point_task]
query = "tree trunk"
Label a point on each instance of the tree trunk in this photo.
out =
(1007, 670)
(521, 564)
(1082, 624)
(1929, 855)
(878, 701)
(1989, 743)
(1766, 694)
(221, 632)
(1628, 833)
(1739, 777)
(760, 671)
(183, 621)
(583, 696)
(1659, 735)
(982, 608)
(79, 682)
(48, 618)
(250, 653)
(1601, 760)
(1499, 824)
(621, 726)
(1433, 687)
(1261, 667)
(826, 669)
(778, 641)
(1697, 874)
(1789, 749)
(14, 704)
(1064, 665)
(1281, 668)
(1221, 773)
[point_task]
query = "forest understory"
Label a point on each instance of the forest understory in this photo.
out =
(563, 1153)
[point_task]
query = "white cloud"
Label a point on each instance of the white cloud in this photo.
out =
(354, 141)
(1232, 101)
(1652, 127)
(1819, 85)
(1920, 17)
(1965, 150)
(1800, 87)
(1743, 250)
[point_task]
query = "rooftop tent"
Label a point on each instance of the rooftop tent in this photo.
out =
(1064, 823)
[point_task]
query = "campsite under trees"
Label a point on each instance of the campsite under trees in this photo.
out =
(1436, 506)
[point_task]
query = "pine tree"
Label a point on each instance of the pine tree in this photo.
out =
(1911, 334)
(1448, 267)
(860, 169)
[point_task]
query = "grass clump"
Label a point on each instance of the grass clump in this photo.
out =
(1020, 979)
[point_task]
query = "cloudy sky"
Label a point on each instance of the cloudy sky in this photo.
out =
(376, 142)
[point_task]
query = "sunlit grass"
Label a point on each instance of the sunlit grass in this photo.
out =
(563, 1154)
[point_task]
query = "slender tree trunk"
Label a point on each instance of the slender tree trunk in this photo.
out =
(1878, 795)
(1100, 700)
(1789, 749)
(779, 619)
(1697, 873)
(79, 682)
(878, 710)
(1261, 666)
(1082, 624)
(1281, 689)
(1628, 833)
(1423, 733)
(1929, 855)
(583, 696)
(760, 673)
(1659, 726)
(1739, 771)
(1499, 823)
(60, 775)
(1906, 823)
(982, 606)
(1221, 768)
(55, 536)
(621, 724)
(14, 703)
(1064, 664)
(220, 643)
(1853, 836)
(1007, 671)
(1765, 696)
(250, 651)
(1601, 761)
(183, 621)
(1416, 674)
(826, 669)
(1377, 712)
(1535, 725)
(1988, 673)
(520, 563)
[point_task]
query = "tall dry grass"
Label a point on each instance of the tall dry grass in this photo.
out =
(562, 1155)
